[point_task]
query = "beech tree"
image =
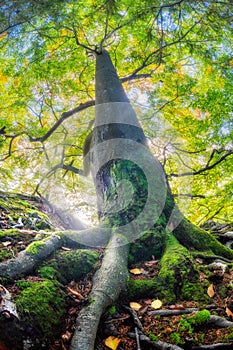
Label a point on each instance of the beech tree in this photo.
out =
(177, 58)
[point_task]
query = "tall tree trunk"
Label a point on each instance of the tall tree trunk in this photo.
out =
(130, 183)
(133, 197)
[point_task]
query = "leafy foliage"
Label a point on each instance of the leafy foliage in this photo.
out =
(176, 61)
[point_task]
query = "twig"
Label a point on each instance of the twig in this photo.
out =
(218, 346)
(173, 312)
(136, 320)
(137, 339)
(160, 345)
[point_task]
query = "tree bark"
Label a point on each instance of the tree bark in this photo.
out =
(109, 281)
(133, 196)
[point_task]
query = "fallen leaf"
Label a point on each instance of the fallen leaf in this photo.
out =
(112, 342)
(151, 263)
(136, 271)
(168, 330)
(156, 304)
(229, 312)
(66, 336)
(75, 293)
(177, 307)
(210, 290)
(135, 306)
(5, 244)
(66, 249)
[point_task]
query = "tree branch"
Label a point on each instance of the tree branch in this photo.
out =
(64, 116)
(190, 195)
(206, 168)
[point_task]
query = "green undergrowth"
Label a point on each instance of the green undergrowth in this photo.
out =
(186, 326)
(69, 265)
(41, 306)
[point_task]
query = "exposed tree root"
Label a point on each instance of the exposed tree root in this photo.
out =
(38, 251)
(220, 322)
(192, 236)
(210, 258)
(168, 312)
(26, 261)
(94, 237)
(160, 345)
(109, 281)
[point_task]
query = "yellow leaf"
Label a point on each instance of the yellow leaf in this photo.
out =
(210, 291)
(136, 271)
(3, 78)
(209, 70)
(3, 35)
(229, 312)
(156, 304)
(112, 342)
(135, 306)
(231, 62)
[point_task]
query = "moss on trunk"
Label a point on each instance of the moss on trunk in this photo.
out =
(193, 237)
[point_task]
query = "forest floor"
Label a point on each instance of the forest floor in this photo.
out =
(122, 325)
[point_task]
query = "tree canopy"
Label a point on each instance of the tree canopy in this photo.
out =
(176, 61)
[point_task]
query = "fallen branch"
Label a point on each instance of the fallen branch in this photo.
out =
(218, 346)
(173, 312)
(109, 281)
(136, 320)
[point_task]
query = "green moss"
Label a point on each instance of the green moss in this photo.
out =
(223, 291)
(9, 232)
(152, 336)
(229, 337)
(6, 254)
(47, 272)
(18, 208)
(178, 273)
(140, 288)
(41, 306)
(193, 291)
(192, 236)
(112, 310)
(176, 338)
(34, 247)
(200, 318)
(150, 244)
(72, 265)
